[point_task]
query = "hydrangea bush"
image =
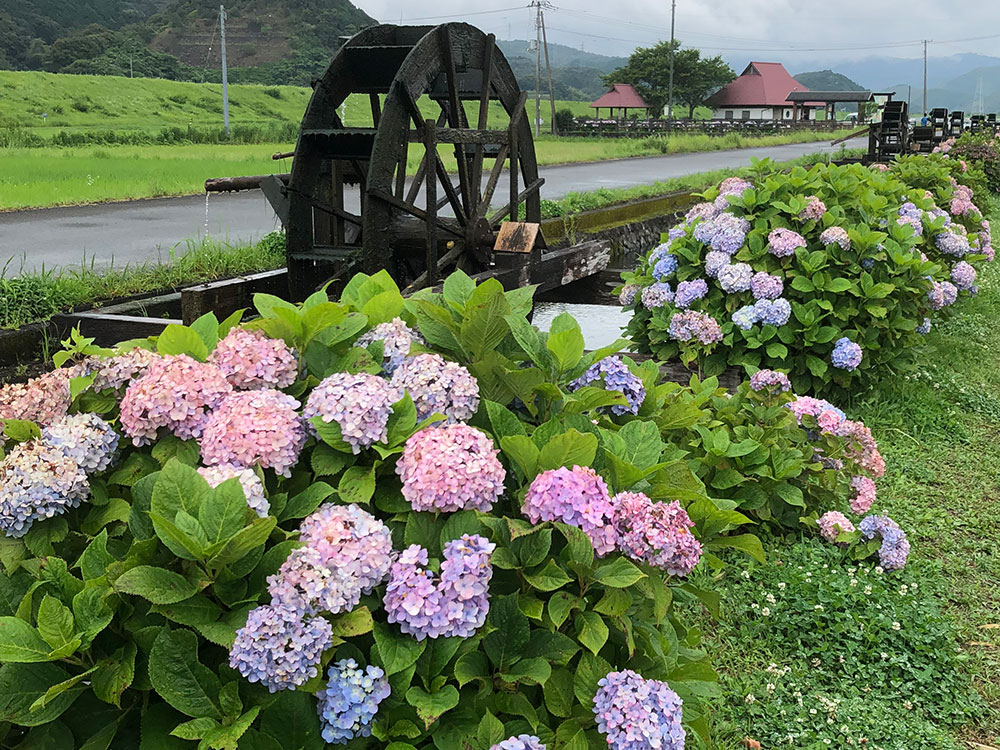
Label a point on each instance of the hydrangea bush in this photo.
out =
(829, 274)
(198, 551)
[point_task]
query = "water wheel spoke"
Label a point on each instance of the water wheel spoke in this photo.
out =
(456, 118)
(521, 197)
(491, 184)
(479, 154)
(454, 255)
(412, 210)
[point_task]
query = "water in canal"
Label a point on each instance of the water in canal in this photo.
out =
(601, 324)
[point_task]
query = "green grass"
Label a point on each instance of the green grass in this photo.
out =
(37, 296)
(938, 429)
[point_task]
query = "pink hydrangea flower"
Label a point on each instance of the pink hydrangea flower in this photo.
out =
(832, 524)
(656, 533)
(44, 399)
(578, 497)
(864, 494)
(250, 360)
(396, 338)
(783, 242)
(255, 428)
(176, 393)
(112, 373)
(814, 210)
(836, 236)
(451, 468)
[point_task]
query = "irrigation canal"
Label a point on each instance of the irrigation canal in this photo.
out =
(134, 232)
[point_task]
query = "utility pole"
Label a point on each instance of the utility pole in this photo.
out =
(225, 72)
(670, 87)
(538, 66)
(925, 76)
(130, 74)
(548, 68)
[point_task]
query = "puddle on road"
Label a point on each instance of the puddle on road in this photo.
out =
(601, 324)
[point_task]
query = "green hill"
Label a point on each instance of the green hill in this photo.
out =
(827, 80)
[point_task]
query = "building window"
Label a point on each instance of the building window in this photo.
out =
(729, 114)
(746, 114)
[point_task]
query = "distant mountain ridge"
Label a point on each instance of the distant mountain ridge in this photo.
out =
(827, 80)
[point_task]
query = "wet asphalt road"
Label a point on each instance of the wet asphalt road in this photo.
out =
(134, 232)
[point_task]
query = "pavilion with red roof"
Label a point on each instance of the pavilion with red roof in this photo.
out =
(761, 93)
(621, 97)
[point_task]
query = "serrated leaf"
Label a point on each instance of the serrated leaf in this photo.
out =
(618, 574)
(550, 578)
(592, 631)
(431, 706)
(20, 643)
(157, 585)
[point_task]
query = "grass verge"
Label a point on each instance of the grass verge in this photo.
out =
(38, 296)
(907, 661)
(55, 176)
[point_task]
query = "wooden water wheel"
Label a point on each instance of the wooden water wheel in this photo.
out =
(413, 214)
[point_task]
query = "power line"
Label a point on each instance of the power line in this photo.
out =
(463, 15)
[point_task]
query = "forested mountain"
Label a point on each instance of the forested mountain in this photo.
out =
(827, 80)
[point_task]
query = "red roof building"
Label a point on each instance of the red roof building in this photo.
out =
(760, 93)
(622, 97)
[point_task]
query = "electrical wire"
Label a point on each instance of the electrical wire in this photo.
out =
(464, 15)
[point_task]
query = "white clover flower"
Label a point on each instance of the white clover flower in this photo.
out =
(818, 608)
(897, 626)
(903, 589)
(750, 699)
(868, 590)
(746, 574)
(771, 687)
(766, 612)
(879, 570)
(781, 586)
(770, 599)
(907, 705)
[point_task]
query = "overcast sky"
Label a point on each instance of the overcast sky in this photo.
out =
(784, 30)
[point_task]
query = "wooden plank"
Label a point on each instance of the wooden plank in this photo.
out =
(108, 330)
(227, 296)
(235, 184)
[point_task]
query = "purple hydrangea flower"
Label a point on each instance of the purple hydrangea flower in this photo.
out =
(456, 605)
(307, 585)
(396, 338)
(765, 286)
(628, 294)
(676, 232)
(763, 380)
(451, 468)
(836, 236)
(689, 292)
(349, 702)
(616, 377)
(38, 481)
(658, 534)
(736, 278)
(360, 405)
(689, 326)
(773, 312)
(701, 211)
(745, 318)
(86, 438)
(950, 243)
(725, 233)
(895, 547)
(936, 295)
(666, 266)
(578, 497)
(783, 242)
(521, 742)
(846, 355)
(657, 295)
(732, 186)
(637, 714)
(438, 387)
(279, 649)
(815, 407)
(963, 275)
(715, 262)
(949, 293)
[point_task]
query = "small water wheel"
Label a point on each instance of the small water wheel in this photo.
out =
(415, 220)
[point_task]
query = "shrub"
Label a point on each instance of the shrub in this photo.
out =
(829, 274)
(980, 152)
(154, 593)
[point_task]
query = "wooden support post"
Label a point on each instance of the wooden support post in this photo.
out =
(430, 145)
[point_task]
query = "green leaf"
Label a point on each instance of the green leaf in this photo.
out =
(59, 689)
(115, 674)
(91, 612)
(589, 671)
(570, 449)
(558, 693)
(247, 540)
(224, 512)
(816, 366)
(95, 559)
(194, 729)
(458, 288)
(581, 549)
(505, 644)
(55, 622)
(522, 452)
(23, 684)
(20, 430)
(503, 420)
(490, 731)
(178, 488)
(744, 542)
(356, 622)
(177, 339)
(396, 651)
(592, 631)
(483, 326)
(157, 585)
(21, 643)
(618, 574)
(471, 666)
(431, 706)
(565, 341)
(550, 578)
(327, 461)
(180, 679)
(560, 605)
(534, 671)
(307, 501)
(357, 485)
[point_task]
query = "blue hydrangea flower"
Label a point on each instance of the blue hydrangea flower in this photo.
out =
(895, 547)
(924, 327)
(280, 649)
(735, 278)
(38, 481)
(350, 701)
(773, 312)
(86, 438)
(846, 355)
(616, 377)
(745, 317)
(689, 292)
(715, 262)
(521, 742)
(666, 266)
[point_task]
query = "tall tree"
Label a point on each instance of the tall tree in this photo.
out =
(695, 77)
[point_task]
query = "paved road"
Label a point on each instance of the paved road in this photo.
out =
(138, 231)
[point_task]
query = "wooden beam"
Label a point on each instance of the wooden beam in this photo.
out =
(229, 295)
